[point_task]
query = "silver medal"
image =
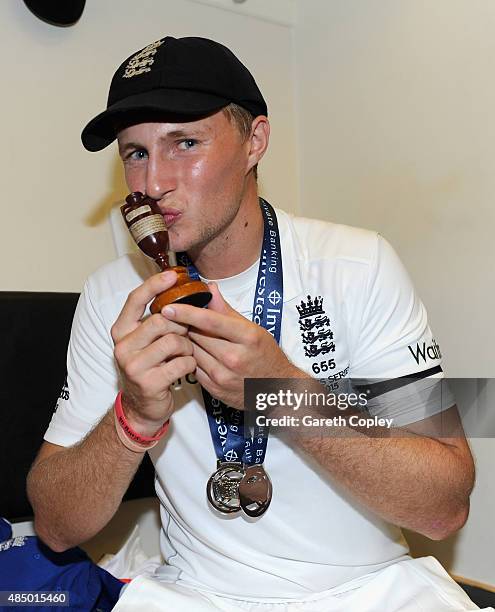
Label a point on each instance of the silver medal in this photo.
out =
(223, 487)
(255, 490)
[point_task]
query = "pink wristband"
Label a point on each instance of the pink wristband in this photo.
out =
(127, 442)
(145, 441)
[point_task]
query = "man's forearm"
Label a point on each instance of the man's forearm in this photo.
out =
(75, 492)
(415, 482)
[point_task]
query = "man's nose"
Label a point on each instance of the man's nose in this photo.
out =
(160, 178)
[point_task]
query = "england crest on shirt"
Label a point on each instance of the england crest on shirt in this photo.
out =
(318, 341)
(314, 325)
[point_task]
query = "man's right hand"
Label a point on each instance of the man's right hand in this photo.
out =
(151, 354)
(76, 490)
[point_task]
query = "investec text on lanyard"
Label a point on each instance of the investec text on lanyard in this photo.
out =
(240, 481)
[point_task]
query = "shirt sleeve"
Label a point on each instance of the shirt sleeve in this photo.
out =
(92, 379)
(396, 357)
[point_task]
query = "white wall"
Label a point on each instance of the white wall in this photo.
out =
(395, 133)
(56, 195)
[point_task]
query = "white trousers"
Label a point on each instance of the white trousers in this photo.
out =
(412, 585)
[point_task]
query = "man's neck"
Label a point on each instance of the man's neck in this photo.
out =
(237, 248)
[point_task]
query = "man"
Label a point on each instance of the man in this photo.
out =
(191, 126)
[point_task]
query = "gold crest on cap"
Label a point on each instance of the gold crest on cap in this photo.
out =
(142, 61)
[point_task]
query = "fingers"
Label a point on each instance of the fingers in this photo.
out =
(152, 328)
(146, 374)
(204, 380)
(231, 327)
(209, 373)
(148, 397)
(217, 303)
(137, 301)
(232, 396)
(164, 349)
(155, 382)
(211, 353)
(177, 368)
(205, 361)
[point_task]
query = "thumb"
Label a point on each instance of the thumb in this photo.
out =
(217, 303)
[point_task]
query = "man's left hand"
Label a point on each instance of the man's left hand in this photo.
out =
(228, 348)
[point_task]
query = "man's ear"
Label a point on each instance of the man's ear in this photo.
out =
(258, 140)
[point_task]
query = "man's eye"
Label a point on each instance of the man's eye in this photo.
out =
(188, 143)
(137, 155)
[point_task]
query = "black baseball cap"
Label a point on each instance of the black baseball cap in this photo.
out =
(55, 12)
(180, 76)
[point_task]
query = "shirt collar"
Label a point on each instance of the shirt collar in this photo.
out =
(291, 252)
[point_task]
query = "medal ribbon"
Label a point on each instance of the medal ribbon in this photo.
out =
(226, 423)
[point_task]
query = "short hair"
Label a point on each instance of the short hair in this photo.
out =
(242, 119)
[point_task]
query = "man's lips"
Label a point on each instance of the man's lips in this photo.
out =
(170, 216)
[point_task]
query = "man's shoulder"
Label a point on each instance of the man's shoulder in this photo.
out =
(319, 239)
(119, 277)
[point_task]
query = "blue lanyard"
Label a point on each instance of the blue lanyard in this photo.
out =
(230, 439)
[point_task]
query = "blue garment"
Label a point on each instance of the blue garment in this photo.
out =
(5, 530)
(26, 564)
